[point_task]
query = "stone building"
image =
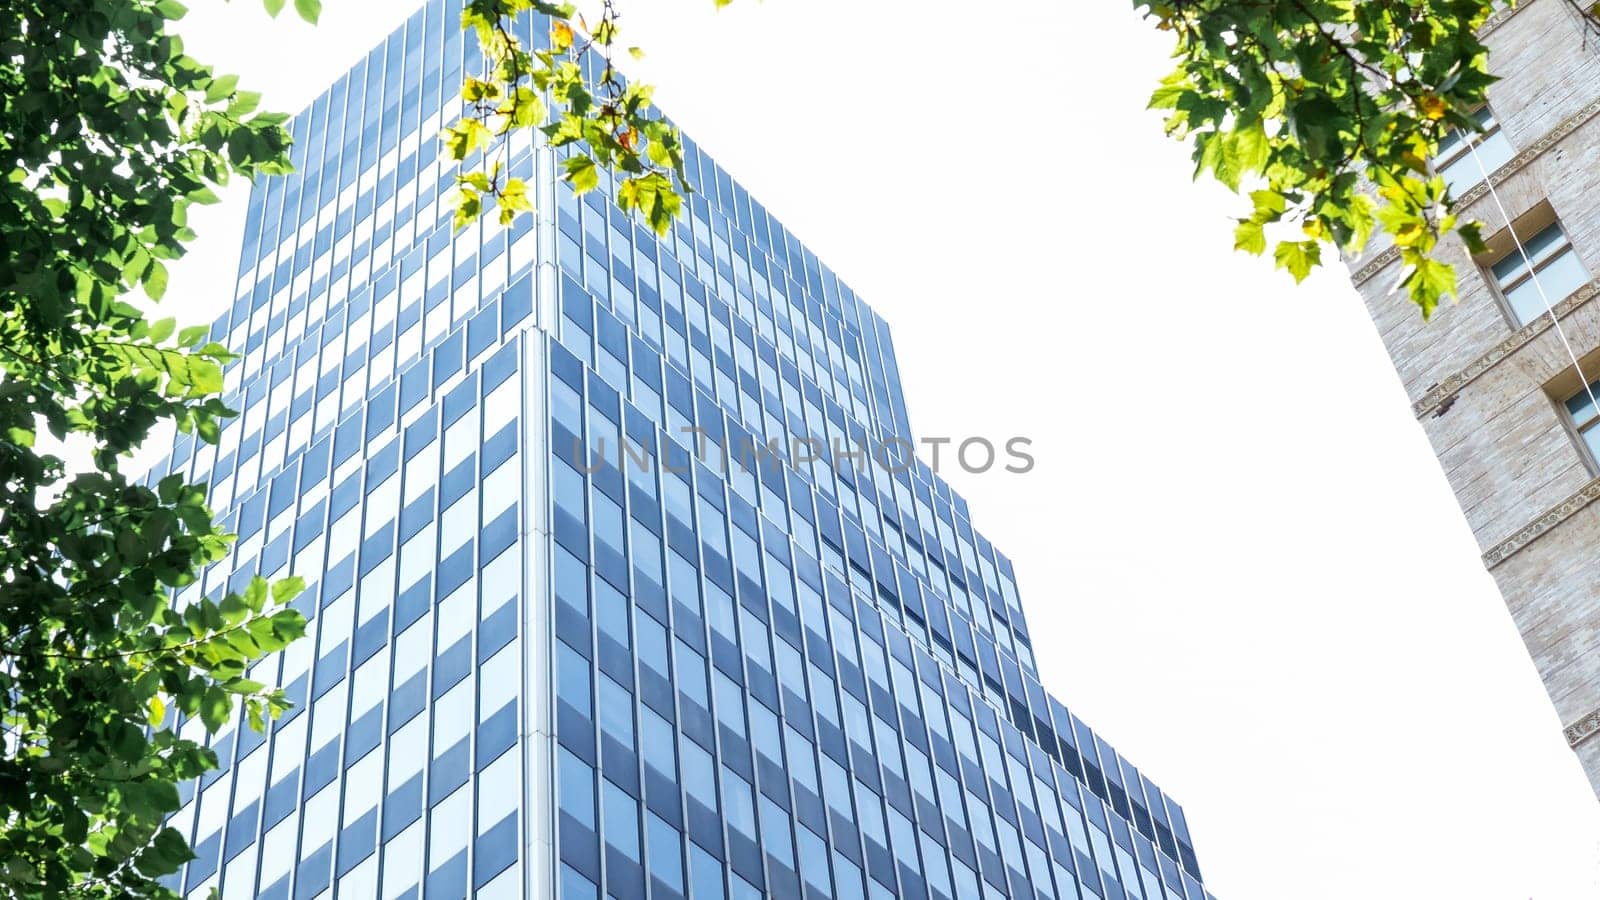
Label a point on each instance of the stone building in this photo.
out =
(1493, 379)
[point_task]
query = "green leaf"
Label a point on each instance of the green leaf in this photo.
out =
(1298, 257)
(653, 195)
(1241, 152)
(1249, 237)
(17, 870)
(155, 280)
(1269, 206)
(288, 624)
(255, 594)
(464, 137)
(234, 610)
(274, 7)
(468, 208)
(215, 708)
(244, 103)
(205, 377)
(286, 589)
(1430, 282)
(309, 10)
(527, 108)
(514, 196)
(171, 849)
(221, 87)
(1173, 87)
(581, 172)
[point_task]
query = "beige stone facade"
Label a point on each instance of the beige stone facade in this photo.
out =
(1490, 394)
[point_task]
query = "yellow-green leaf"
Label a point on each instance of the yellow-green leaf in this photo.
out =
(1298, 257)
(581, 172)
(514, 195)
(1248, 236)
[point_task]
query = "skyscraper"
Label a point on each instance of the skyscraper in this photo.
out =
(1498, 387)
(540, 665)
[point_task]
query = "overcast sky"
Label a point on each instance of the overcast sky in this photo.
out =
(1238, 556)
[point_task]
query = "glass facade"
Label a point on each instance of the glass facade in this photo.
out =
(558, 647)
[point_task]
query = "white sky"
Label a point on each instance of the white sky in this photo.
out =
(1238, 556)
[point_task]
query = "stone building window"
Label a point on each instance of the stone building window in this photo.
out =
(1545, 270)
(1461, 167)
(1586, 419)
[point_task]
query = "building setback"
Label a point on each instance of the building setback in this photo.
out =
(528, 675)
(1491, 378)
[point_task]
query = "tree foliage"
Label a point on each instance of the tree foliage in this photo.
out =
(608, 122)
(108, 135)
(110, 132)
(1328, 112)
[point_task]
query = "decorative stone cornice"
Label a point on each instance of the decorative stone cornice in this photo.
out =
(1448, 388)
(1532, 531)
(1364, 274)
(1473, 194)
(1583, 729)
